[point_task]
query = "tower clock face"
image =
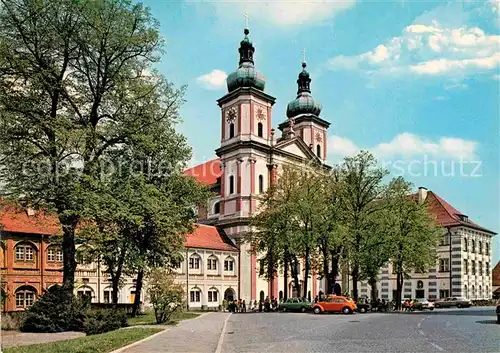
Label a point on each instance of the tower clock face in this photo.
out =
(231, 115)
(319, 137)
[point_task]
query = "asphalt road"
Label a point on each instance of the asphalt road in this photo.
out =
(442, 330)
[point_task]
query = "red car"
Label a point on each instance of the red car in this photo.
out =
(334, 304)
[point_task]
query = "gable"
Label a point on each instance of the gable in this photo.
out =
(295, 149)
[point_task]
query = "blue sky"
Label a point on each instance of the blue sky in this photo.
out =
(417, 83)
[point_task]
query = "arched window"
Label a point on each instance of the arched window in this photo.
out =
(217, 208)
(25, 252)
(212, 263)
(473, 294)
(108, 295)
(466, 292)
(480, 291)
(231, 184)
(231, 130)
(281, 295)
(229, 264)
(213, 295)
(318, 151)
(261, 184)
(54, 254)
(487, 248)
(473, 245)
(260, 130)
(466, 245)
(25, 296)
(85, 292)
(194, 262)
(195, 295)
(480, 247)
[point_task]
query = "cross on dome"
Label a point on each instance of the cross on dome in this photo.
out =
(304, 55)
(247, 17)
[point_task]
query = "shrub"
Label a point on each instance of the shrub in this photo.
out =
(104, 320)
(55, 311)
(12, 321)
(165, 295)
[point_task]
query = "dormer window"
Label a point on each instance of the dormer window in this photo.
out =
(463, 218)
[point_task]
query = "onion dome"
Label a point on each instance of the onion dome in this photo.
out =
(246, 75)
(304, 103)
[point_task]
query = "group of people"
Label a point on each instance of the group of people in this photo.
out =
(241, 306)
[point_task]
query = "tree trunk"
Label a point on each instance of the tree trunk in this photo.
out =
(326, 270)
(295, 273)
(138, 290)
(355, 277)
(335, 270)
(285, 276)
(306, 272)
(399, 289)
(373, 284)
(69, 224)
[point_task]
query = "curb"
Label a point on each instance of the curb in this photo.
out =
(221, 337)
(119, 350)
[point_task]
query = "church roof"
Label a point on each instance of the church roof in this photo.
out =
(206, 173)
(495, 275)
(16, 220)
(447, 215)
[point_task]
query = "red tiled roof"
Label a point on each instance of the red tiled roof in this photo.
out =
(206, 173)
(447, 215)
(15, 219)
(207, 237)
(495, 275)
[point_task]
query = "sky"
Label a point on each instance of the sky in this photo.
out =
(414, 82)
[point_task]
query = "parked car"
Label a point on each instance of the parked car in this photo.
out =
(295, 304)
(453, 301)
(363, 305)
(422, 304)
(334, 304)
(498, 313)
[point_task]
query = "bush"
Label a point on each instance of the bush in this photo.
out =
(12, 321)
(104, 320)
(166, 296)
(55, 311)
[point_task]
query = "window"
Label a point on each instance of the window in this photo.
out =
(486, 248)
(231, 130)
(480, 266)
(229, 265)
(195, 296)
(473, 294)
(212, 263)
(466, 245)
(444, 265)
(318, 151)
(25, 296)
(194, 262)
(445, 240)
(487, 265)
(213, 296)
(261, 184)
(85, 293)
(231, 184)
(480, 247)
(54, 254)
(473, 246)
(217, 207)
(466, 267)
(24, 252)
(444, 293)
(107, 296)
(466, 293)
(260, 130)
(473, 263)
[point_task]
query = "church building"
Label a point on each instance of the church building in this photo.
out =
(250, 156)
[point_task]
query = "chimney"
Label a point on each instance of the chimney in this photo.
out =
(422, 194)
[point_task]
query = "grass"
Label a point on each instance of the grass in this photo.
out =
(148, 318)
(103, 343)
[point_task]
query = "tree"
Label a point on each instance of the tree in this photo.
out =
(71, 74)
(164, 293)
(361, 188)
(413, 233)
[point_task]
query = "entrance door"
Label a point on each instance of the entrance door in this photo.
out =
(419, 293)
(132, 297)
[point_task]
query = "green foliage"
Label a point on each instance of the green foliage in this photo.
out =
(104, 343)
(55, 311)
(104, 320)
(166, 296)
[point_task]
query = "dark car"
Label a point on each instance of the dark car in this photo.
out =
(363, 305)
(498, 313)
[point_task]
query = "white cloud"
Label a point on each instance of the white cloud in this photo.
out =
(429, 50)
(495, 6)
(441, 98)
(455, 86)
(285, 13)
(216, 79)
(407, 145)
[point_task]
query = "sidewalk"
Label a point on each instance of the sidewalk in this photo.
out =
(200, 335)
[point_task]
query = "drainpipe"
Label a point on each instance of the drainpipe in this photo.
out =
(187, 280)
(42, 263)
(98, 280)
(451, 276)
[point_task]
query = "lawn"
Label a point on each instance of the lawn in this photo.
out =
(148, 318)
(103, 343)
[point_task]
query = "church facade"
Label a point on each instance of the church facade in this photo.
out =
(250, 157)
